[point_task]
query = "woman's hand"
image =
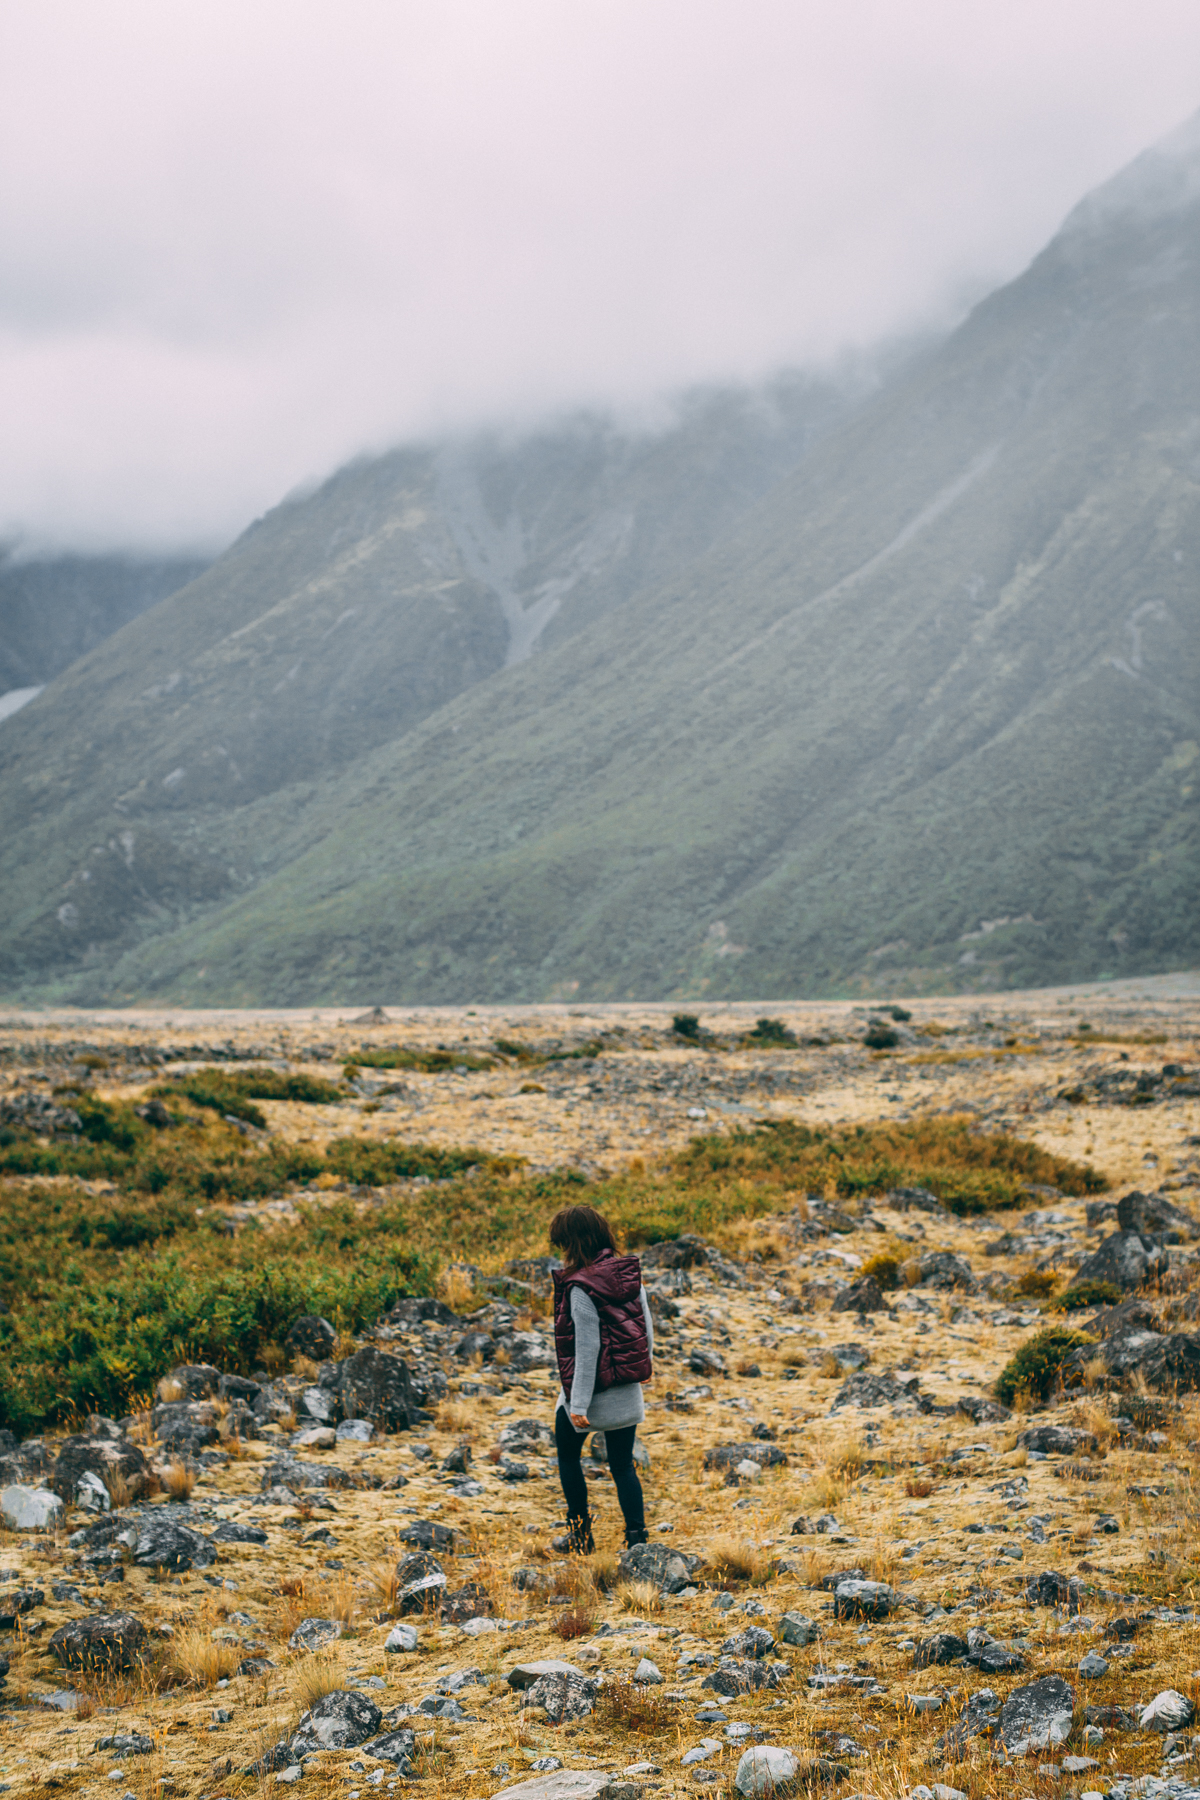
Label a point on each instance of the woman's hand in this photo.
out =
(579, 1421)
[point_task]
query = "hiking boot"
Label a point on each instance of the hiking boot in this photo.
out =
(579, 1535)
(636, 1534)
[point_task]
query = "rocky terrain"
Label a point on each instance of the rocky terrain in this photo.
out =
(867, 1571)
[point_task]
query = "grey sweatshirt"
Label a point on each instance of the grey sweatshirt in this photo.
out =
(612, 1407)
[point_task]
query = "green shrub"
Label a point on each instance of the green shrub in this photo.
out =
(1086, 1294)
(686, 1025)
(885, 1269)
(880, 1036)
(1037, 1283)
(1034, 1370)
(430, 1061)
(771, 1031)
(898, 1013)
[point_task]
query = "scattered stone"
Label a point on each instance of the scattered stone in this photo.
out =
(1127, 1259)
(795, 1628)
(470, 1602)
(229, 1532)
(30, 1509)
(864, 1600)
(314, 1634)
(648, 1672)
(562, 1696)
(102, 1641)
(763, 1769)
(944, 1647)
(886, 1389)
(1092, 1667)
(1153, 1215)
(524, 1675)
(669, 1569)
(98, 1457)
(338, 1721)
(728, 1456)
(398, 1747)
(378, 1387)
(423, 1534)
(401, 1639)
(317, 1437)
(126, 1743)
(420, 1581)
(1168, 1711)
(161, 1544)
(1037, 1716)
(944, 1271)
(863, 1295)
(1052, 1589)
(313, 1337)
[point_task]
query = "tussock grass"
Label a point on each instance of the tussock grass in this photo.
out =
(179, 1480)
(314, 1677)
(737, 1559)
(196, 1659)
(637, 1596)
(627, 1705)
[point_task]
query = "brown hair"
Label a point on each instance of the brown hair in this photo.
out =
(581, 1233)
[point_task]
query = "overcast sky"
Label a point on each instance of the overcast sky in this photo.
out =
(243, 241)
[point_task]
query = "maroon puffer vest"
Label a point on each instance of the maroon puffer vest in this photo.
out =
(614, 1284)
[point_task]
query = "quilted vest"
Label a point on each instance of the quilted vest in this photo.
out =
(614, 1284)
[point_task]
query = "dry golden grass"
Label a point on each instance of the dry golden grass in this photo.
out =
(380, 1584)
(338, 1600)
(197, 1660)
(632, 1706)
(605, 1566)
(459, 1417)
(314, 1677)
(574, 1622)
(830, 1367)
(169, 1390)
(918, 1487)
(737, 1559)
(179, 1480)
(119, 1490)
(456, 1286)
(637, 1596)
(794, 1358)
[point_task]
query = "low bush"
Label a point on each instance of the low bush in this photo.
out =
(686, 1025)
(1087, 1294)
(1036, 1284)
(770, 1031)
(886, 1270)
(1034, 1370)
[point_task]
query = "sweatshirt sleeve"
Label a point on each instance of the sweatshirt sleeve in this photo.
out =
(649, 1323)
(587, 1351)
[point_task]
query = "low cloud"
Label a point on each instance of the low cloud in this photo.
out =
(244, 243)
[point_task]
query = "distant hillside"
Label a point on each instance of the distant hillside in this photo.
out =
(54, 609)
(925, 716)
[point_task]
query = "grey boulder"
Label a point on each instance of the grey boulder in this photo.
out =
(160, 1544)
(314, 1634)
(863, 1295)
(338, 1721)
(1038, 1716)
(1168, 1711)
(795, 1628)
(30, 1508)
(313, 1337)
(763, 1769)
(398, 1747)
(754, 1641)
(103, 1641)
(420, 1583)
(103, 1457)
(1128, 1259)
(670, 1570)
(378, 1387)
(563, 1697)
(943, 1647)
(1157, 1217)
(864, 1600)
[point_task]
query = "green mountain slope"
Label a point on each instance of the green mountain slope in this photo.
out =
(56, 608)
(332, 626)
(926, 717)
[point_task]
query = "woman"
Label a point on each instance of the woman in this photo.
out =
(604, 1338)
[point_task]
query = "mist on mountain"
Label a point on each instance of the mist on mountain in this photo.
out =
(822, 690)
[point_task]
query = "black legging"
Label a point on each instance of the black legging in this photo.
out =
(619, 1445)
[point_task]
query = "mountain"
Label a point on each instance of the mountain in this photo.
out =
(54, 609)
(335, 624)
(922, 716)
